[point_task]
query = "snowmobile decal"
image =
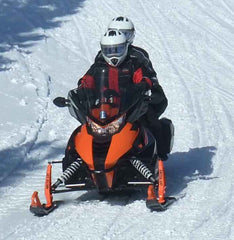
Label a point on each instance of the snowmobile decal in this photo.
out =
(83, 145)
(161, 182)
(48, 193)
(121, 143)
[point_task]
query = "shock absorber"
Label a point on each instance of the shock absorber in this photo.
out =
(67, 174)
(144, 170)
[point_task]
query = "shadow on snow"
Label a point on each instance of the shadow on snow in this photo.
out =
(19, 19)
(185, 167)
(16, 161)
(181, 168)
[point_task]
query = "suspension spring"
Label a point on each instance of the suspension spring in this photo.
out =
(67, 174)
(70, 170)
(144, 170)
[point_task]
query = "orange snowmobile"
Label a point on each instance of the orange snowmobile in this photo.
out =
(110, 151)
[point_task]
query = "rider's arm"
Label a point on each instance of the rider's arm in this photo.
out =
(144, 73)
(87, 81)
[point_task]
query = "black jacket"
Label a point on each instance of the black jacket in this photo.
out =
(134, 69)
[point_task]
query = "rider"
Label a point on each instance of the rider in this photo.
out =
(126, 26)
(126, 64)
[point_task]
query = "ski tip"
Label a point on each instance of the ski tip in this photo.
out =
(154, 205)
(41, 211)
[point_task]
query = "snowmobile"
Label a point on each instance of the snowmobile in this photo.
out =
(111, 150)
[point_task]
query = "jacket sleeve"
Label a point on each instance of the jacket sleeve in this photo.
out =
(142, 61)
(158, 102)
(146, 72)
(87, 81)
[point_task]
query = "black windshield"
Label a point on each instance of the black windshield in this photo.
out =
(104, 103)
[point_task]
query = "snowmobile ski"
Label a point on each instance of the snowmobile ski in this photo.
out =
(161, 202)
(39, 209)
(42, 211)
(154, 205)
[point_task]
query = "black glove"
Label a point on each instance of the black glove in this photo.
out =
(143, 85)
(145, 90)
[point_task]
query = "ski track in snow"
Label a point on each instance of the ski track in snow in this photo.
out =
(189, 44)
(31, 134)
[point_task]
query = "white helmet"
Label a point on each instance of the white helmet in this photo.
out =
(124, 25)
(114, 47)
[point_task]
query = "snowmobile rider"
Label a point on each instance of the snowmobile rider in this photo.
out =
(125, 25)
(126, 64)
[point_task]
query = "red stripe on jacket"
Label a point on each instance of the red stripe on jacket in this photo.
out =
(87, 81)
(114, 79)
(138, 77)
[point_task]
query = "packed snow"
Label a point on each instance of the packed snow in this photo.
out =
(46, 46)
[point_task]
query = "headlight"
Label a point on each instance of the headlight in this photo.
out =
(108, 129)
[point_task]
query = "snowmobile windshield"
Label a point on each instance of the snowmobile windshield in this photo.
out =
(110, 104)
(104, 103)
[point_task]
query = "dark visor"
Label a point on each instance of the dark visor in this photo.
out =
(128, 33)
(113, 50)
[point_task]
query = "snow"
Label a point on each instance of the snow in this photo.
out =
(46, 46)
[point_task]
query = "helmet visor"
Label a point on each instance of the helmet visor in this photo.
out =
(128, 33)
(113, 50)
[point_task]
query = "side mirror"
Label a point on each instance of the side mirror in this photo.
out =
(61, 102)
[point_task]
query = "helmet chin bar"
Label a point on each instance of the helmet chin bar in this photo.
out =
(114, 61)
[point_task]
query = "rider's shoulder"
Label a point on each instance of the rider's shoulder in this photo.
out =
(138, 52)
(99, 57)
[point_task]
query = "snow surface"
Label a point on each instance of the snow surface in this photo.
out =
(46, 46)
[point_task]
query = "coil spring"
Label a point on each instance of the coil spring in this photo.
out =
(70, 170)
(140, 166)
